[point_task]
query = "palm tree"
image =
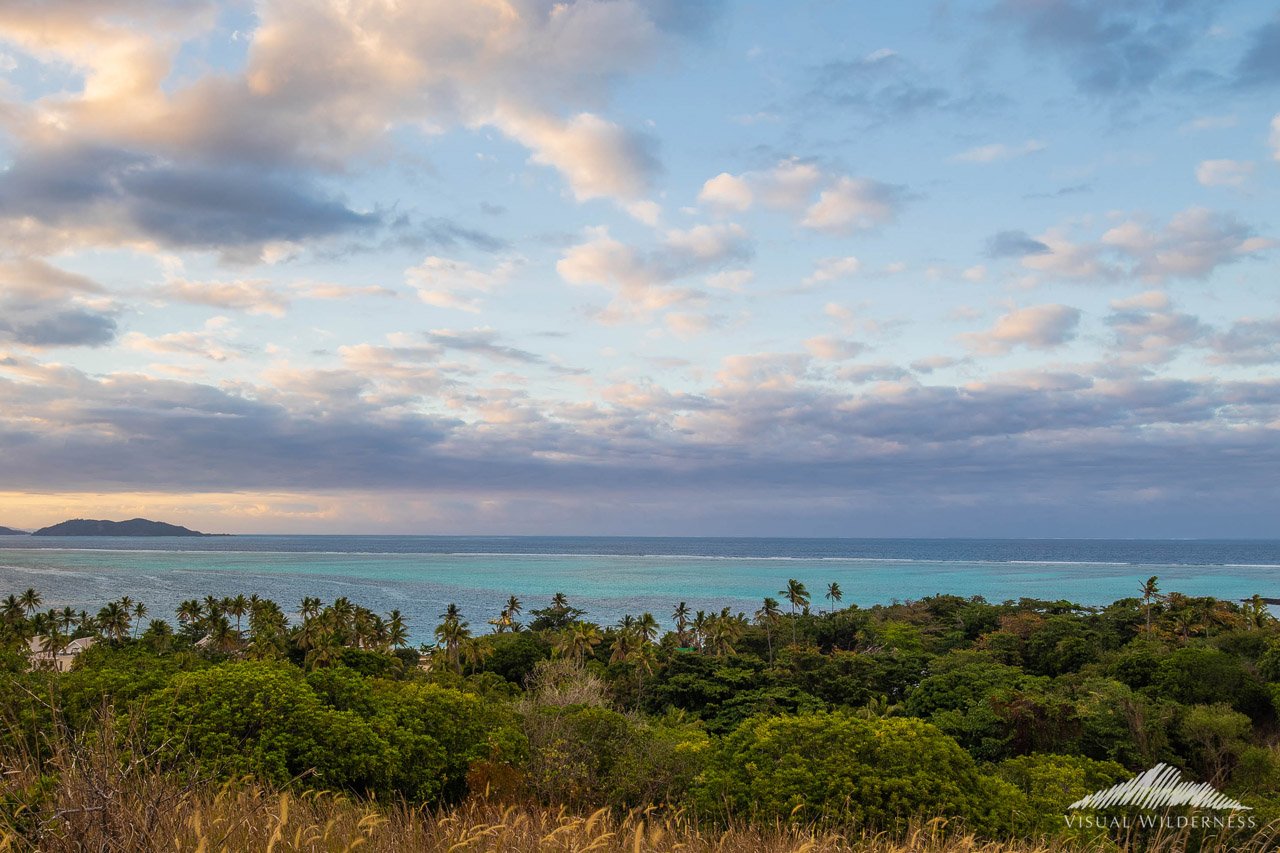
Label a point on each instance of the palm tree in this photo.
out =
(451, 632)
(326, 650)
(66, 618)
(221, 635)
(12, 609)
(139, 611)
(798, 596)
(1188, 621)
(1255, 612)
(624, 646)
(380, 634)
(559, 601)
(212, 606)
(190, 612)
(159, 634)
(1150, 593)
(767, 617)
(475, 651)
(681, 616)
(343, 610)
(397, 631)
(648, 627)
(364, 625)
(237, 607)
(113, 620)
(699, 624)
(576, 641)
(55, 642)
(723, 632)
(506, 618)
(30, 601)
(309, 634)
(834, 594)
(309, 608)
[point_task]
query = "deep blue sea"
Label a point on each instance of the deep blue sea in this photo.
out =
(610, 576)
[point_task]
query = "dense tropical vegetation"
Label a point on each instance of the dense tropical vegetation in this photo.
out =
(994, 715)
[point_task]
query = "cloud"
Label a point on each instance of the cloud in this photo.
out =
(1148, 331)
(483, 341)
(644, 281)
(854, 204)
(1192, 245)
(885, 86)
(1108, 48)
(57, 327)
(1210, 122)
(999, 151)
(831, 348)
(331, 291)
(789, 185)
(1275, 137)
(1037, 327)
(1260, 65)
(727, 192)
(456, 284)
(1224, 173)
(732, 280)
(845, 204)
(256, 296)
(881, 372)
(833, 269)
(934, 362)
(764, 422)
(213, 342)
(597, 157)
(1061, 192)
(43, 306)
(137, 150)
(99, 195)
(33, 278)
(688, 325)
(1247, 342)
(1014, 244)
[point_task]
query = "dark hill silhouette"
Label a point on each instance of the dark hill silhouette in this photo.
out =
(9, 531)
(132, 527)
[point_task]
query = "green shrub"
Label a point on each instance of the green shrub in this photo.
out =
(1053, 782)
(878, 774)
(1198, 675)
(592, 756)
(330, 729)
(263, 719)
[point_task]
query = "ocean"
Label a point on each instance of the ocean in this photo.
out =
(610, 576)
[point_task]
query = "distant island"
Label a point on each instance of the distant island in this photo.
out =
(132, 527)
(9, 531)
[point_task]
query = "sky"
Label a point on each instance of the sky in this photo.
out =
(646, 267)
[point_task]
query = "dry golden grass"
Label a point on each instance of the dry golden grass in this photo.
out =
(246, 817)
(88, 794)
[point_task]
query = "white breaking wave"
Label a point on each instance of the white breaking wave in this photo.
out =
(1160, 787)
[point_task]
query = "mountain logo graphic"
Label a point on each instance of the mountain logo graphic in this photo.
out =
(1160, 787)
